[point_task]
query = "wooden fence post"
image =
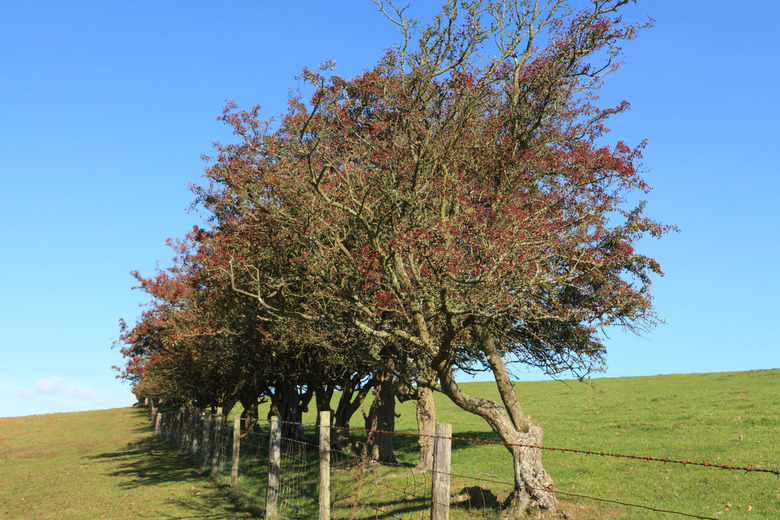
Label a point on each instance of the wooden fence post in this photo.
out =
(206, 436)
(157, 424)
(324, 436)
(186, 428)
(194, 430)
(236, 450)
(178, 430)
(183, 427)
(274, 460)
(440, 481)
(215, 454)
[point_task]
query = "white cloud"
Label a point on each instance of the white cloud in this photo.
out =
(59, 387)
(59, 394)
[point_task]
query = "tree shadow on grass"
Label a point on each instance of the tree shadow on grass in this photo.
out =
(152, 461)
(476, 499)
(149, 461)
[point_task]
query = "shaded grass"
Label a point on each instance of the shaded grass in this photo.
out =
(102, 464)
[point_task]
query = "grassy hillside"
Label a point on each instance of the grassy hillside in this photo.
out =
(106, 464)
(102, 465)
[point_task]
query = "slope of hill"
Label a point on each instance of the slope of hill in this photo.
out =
(101, 464)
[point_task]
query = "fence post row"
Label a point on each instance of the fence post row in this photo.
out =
(274, 460)
(324, 440)
(440, 480)
(236, 450)
(183, 425)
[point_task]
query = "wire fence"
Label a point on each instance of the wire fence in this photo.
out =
(307, 476)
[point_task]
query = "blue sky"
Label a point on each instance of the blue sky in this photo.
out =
(106, 108)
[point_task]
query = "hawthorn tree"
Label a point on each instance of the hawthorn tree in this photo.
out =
(459, 210)
(201, 342)
(262, 248)
(186, 344)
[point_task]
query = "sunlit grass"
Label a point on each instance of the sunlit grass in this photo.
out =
(103, 464)
(721, 418)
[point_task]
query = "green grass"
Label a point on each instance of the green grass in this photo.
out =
(98, 464)
(696, 417)
(104, 464)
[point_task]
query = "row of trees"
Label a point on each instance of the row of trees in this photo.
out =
(442, 212)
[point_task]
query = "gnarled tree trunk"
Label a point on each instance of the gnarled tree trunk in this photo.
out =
(353, 393)
(381, 416)
(426, 426)
(250, 414)
(533, 485)
(289, 403)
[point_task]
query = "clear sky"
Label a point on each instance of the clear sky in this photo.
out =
(106, 107)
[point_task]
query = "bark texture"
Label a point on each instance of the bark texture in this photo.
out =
(426, 425)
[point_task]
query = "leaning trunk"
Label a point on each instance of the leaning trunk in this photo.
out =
(533, 486)
(352, 396)
(533, 489)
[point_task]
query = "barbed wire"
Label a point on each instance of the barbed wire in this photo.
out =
(684, 462)
(529, 488)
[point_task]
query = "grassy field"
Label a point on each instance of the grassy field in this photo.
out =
(106, 464)
(100, 465)
(722, 418)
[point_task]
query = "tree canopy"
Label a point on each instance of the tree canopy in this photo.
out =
(455, 207)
